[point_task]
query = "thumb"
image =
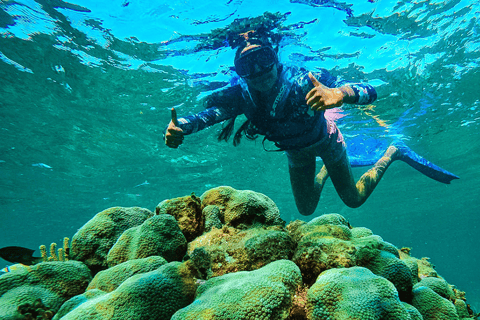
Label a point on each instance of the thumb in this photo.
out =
(174, 117)
(314, 80)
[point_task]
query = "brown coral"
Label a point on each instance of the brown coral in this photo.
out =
(188, 213)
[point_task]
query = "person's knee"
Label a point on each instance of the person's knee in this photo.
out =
(353, 205)
(352, 202)
(306, 210)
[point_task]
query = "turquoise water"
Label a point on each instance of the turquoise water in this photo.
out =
(86, 88)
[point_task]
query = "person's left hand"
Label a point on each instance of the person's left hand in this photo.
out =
(321, 97)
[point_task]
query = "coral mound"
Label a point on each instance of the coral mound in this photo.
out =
(92, 242)
(265, 293)
(157, 236)
(156, 294)
(52, 282)
(228, 255)
(353, 293)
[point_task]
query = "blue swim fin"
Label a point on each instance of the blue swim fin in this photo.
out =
(423, 165)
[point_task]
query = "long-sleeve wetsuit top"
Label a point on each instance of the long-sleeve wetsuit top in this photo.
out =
(287, 120)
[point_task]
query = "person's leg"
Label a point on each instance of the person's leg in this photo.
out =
(355, 194)
(305, 187)
(306, 190)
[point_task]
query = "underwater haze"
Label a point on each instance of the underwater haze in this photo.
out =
(86, 89)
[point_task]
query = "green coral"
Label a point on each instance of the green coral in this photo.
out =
(360, 232)
(321, 246)
(390, 267)
(109, 280)
(242, 208)
(432, 306)
(439, 285)
(52, 282)
(157, 236)
(156, 294)
(36, 310)
(265, 293)
(212, 217)
(233, 250)
(327, 242)
(92, 242)
(414, 314)
(202, 261)
(353, 293)
(239, 259)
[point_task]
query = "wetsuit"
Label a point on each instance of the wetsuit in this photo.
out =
(288, 121)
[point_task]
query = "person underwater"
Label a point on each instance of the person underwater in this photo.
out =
(287, 106)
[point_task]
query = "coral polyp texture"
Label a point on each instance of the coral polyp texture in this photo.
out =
(228, 255)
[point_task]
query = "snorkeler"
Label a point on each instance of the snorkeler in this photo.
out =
(287, 106)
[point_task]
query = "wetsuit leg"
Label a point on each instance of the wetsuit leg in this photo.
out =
(306, 190)
(355, 194)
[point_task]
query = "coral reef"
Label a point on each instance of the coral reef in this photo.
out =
(353, 293)
(53, 282)
(328, 242)
(92, 242)
(157, 236)
(227, 255)
(265, 293)
(156, 294)
(109, 280)
(37, 310)
(233, 250)
(241, 208)
(187, 211)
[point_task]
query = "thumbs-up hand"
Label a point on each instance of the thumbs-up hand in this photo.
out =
(174, 135)
(321, 97)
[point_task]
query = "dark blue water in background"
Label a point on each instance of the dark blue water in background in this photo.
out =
(86, 88)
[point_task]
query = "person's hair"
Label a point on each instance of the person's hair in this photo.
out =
(217, 99)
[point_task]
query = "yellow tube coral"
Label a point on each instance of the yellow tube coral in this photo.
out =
(43, 251)
(66, 248)
(61, 257)
(53, 253)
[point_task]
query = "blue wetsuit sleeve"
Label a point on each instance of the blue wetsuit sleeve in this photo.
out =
(222, 105)
(364, 92)
(206, 118)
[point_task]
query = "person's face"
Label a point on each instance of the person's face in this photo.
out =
(263, 81)
(260, 67)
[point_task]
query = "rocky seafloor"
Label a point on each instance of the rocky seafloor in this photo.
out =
(226, 255)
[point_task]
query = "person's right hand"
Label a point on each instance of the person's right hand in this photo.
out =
(174, 135)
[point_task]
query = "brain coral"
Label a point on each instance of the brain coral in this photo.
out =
(187, 211)
(353, 293)
(108, 280)
(390, 267)
(156, 294)
(53, 282)
(328, 242)
(92, 242)
(321, 245)
(265, 293)
(242, 208)
(432, 306)
(157, 236)
(439, 285)
(232, 250)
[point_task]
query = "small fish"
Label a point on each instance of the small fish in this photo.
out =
(41, 165)
(19, 255)
(142, 184)
(14, 267)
